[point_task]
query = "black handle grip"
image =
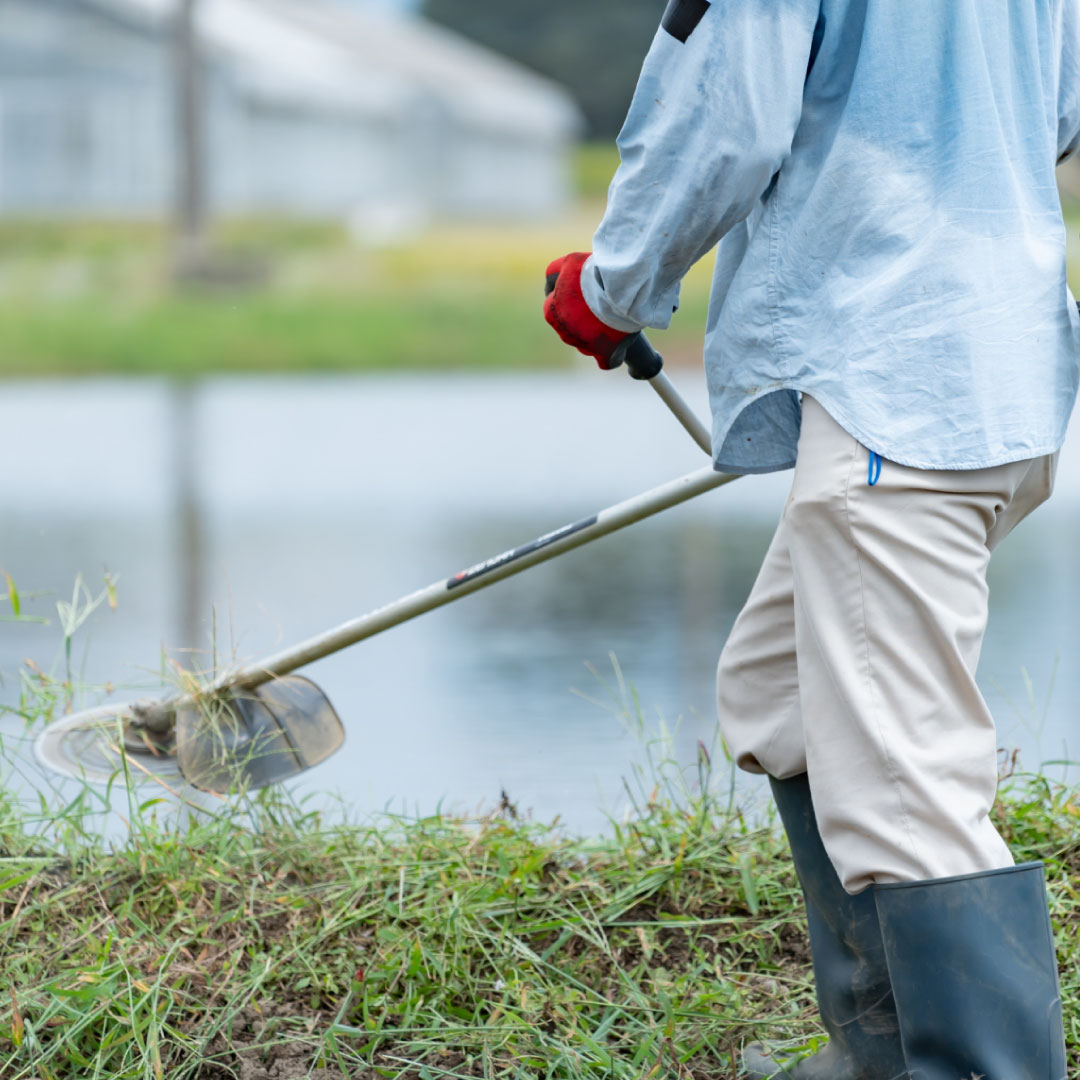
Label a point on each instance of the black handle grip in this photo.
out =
(641, 359)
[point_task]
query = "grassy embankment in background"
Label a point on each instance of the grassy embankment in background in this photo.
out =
(96, 297)
(87, 298)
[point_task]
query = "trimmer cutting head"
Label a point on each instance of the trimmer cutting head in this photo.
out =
(234, 740)
(97, 744)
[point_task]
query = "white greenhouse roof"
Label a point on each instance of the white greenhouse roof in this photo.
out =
(472, 82)
(338, 56)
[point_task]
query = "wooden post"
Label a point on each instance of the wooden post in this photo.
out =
(191, 181)
(190, 261)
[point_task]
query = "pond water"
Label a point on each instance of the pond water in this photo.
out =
(257, 512)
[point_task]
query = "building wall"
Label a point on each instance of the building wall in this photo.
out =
(83, 123)
(301, 161)
(87, 128)
(496, 175)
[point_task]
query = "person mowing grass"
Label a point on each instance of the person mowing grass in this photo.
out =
(890, 317)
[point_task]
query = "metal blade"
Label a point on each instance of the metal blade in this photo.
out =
(98, 744)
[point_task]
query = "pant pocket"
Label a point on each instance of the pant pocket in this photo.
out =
(1035, 487)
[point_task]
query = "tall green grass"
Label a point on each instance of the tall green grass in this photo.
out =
(266, 941)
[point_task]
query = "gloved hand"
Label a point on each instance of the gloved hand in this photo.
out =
(565, 309)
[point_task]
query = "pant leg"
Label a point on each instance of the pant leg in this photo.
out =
(890, 610)
(757, 678)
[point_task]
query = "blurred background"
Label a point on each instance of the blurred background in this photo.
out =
(271, 354)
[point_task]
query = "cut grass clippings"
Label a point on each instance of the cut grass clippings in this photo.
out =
(275, 945)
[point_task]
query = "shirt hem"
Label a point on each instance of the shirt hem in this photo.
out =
(752, 470)
(872, 444)
(1007, 458)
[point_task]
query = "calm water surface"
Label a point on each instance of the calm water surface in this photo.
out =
(258, 512)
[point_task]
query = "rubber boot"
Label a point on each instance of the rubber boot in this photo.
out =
(853, 990)
(975, 977)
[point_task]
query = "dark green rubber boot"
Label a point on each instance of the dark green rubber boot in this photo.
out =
(975, 977)
(853, 989)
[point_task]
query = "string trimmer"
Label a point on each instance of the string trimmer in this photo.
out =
(261, 724)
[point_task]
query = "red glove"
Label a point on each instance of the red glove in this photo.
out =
(565, 309)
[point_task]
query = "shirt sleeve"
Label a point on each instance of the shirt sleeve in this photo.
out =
(711, 122)
(1069, 82)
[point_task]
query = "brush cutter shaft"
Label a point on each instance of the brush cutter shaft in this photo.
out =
(160, 716)
(508, 563)
(646, 365)
(483, 574)
(683, 413)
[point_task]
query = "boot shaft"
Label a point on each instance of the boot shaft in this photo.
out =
(850, 973)
(972, 965)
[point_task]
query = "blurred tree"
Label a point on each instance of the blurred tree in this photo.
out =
(594, 48)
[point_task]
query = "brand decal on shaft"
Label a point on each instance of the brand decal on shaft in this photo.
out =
(497, 561)
(682, 16)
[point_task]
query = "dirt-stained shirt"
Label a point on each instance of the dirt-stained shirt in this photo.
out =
(879, 175)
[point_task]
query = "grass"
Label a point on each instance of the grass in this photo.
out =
(100, 300)
(594, 166)
(263, 941)
(84, 298)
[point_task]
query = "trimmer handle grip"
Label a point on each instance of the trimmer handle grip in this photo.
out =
(641, 359)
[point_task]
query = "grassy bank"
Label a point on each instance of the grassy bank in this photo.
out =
(92, 299)
(259, 940)
(97, 297)
(275, 945)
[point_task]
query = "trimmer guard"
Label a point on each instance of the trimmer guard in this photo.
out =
(252, 738)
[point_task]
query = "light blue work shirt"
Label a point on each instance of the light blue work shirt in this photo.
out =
(880, 177)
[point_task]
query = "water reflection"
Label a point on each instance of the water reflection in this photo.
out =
(265, 511)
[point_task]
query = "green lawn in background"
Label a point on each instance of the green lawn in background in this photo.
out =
(87, 298)
(90, 298)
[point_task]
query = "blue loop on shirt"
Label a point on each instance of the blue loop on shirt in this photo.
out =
(874, 471)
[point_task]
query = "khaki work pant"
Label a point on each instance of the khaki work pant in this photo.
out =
(854, 658)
